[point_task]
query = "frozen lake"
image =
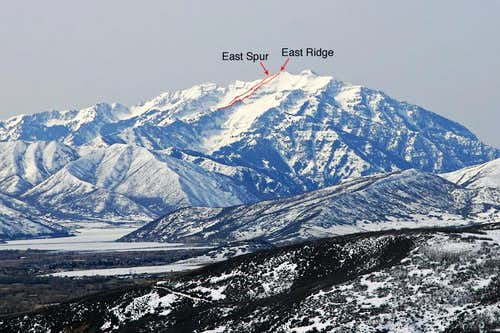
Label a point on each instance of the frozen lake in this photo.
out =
(91, 239)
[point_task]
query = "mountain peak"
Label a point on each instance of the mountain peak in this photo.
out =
(279, 83)
(308, 72)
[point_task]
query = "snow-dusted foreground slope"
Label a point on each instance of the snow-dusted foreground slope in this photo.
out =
(406, 281)
(300, 132)
(396, 200)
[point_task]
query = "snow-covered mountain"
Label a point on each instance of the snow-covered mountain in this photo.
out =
(19, 220)
(302, 131)
(73, 127)
(130, 183)
(296, 133)
(408, 198)
(24, 165)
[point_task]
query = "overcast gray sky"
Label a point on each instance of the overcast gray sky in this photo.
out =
(442, 55)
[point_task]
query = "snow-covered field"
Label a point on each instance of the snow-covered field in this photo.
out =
(211, 256)
(175, 267)
(93, 239)
(494, 235)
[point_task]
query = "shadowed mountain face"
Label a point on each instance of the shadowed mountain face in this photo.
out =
(404, 281)
(295, 134)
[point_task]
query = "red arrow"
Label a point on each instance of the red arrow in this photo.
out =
(284, 64)
(264, 68)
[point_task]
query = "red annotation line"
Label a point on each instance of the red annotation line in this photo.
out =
(282, 68)
(268, 78)
(250, 91)
(235, 99)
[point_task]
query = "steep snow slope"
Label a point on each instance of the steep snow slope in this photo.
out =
(18, 221)
(130, 183)
(484, 175)
(255, 183)
(401, 199)
(24, 165)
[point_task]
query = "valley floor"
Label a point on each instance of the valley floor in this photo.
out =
(91, 239)
(26, 286)
(428, 280)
